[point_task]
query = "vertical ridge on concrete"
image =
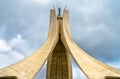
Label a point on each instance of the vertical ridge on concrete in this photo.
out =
(57, 66)
(91, 67)
(29, 67)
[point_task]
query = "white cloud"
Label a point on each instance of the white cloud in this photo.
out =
(17, 55)
(9, 49)
(17, 41)
(4, 46)
(43, 2)
(86, 1)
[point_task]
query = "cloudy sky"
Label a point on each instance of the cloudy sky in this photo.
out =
(95, 27)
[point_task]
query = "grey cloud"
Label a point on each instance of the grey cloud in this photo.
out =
(28, 19)
(94, 24)
(96, 30)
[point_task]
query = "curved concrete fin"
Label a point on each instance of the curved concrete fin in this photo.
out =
(29, 67)
(91, 67)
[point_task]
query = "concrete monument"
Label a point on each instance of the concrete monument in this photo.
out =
(56, 51)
